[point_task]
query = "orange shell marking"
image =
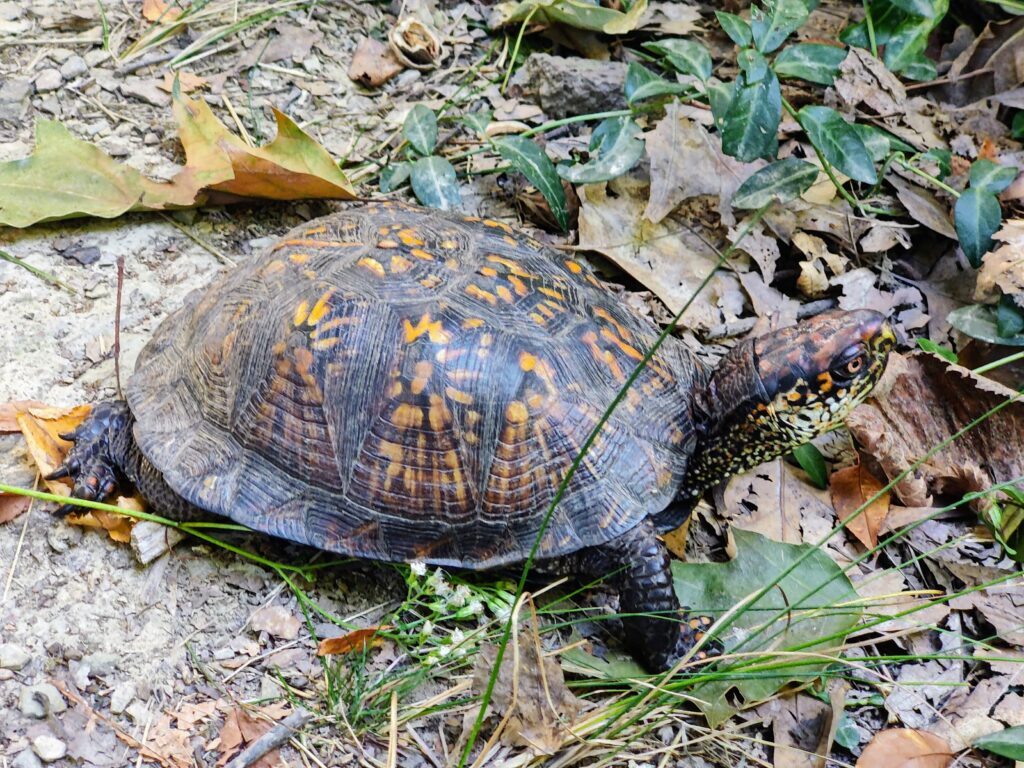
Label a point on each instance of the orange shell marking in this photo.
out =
(433, 329)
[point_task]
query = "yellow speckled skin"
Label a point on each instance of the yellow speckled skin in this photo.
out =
(399, 384)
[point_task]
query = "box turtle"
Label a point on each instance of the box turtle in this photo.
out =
(394, 383)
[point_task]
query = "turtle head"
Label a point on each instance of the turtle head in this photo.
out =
(774, 393)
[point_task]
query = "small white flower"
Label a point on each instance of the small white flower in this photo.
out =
(476, 607)
(457, 637)
(427, 629)
(460, 597)
(439, 584)
(418, 568)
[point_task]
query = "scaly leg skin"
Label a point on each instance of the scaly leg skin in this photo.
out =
(657, 630)
(105, 459)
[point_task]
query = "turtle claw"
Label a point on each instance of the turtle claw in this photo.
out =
(88, 463)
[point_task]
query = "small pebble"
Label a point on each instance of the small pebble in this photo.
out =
(74, 67)
(96, 56)
(122, 697)
(26, 759)
(145, 90)
(48, 80)
(49, 748)
(15, 89)
(80, 675)
(85, 256)
(39, 700)
(13, 656)
(101, 663)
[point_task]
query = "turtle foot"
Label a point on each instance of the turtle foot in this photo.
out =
(90, 463)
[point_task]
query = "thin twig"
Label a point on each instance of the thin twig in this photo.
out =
(117, 326)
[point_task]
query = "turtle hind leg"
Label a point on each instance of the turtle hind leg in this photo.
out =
(105, 459)
(656, 629)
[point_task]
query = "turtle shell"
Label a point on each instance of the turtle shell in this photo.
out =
(401, 384)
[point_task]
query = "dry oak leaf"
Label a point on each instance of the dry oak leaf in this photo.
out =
(9, 413)
(905, 748)
(530, 691)
(667, 258)
(922, 401)
(358, 640)
(852, 489)
(241, 729)
(373, 63)
(687, 161)
(1002, 269)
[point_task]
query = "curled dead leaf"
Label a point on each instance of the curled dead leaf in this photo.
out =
(12, 506)
(373, 63)
(905, 748)
(358, 640)
(42, 427)
(187, 82)
(921, 402)
(852, 488)
(415, 43)
(1002, 269)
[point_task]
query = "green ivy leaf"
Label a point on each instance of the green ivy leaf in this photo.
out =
(615, 147)
(478, 121)
(937, 349)
(980, 321)
(976, 217)
(753, 65)
(531, 161)
(942, 158)
(770, 27)
(1008, 742)
(433, 182)
(839, 142)
(991, 177)
(720, 96)
(643, 84)
(927, 9)
(1009, 317)
(392, 177)
(847, 734)
(782, 181)
(1017, 126)
(736, 28)
(686, 56)
(813, 463)
(814, 62)
(812, 600)
(420, 129)
(751, 124)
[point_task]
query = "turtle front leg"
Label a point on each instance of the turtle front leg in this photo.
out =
(657, 630)
(105, 459)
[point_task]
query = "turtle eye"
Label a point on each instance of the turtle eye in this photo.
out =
(851, 363)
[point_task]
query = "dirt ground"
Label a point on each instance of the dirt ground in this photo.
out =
(75, 607)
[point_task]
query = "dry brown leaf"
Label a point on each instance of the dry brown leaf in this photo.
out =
(864, 81)
(1002, 269)
(42, 427)
(173, 744)
(240, 729)
(905, 748)
(666, 257)
(923, 206)
(373, 63)
(924, 400)
(531, 690)
(801, 725)
(358, 640)
(757, 501)
(12, 506)
(276, 620)
(159, 10)
(9, 413)
(687, 161)
(187, 82)
(852, 487)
